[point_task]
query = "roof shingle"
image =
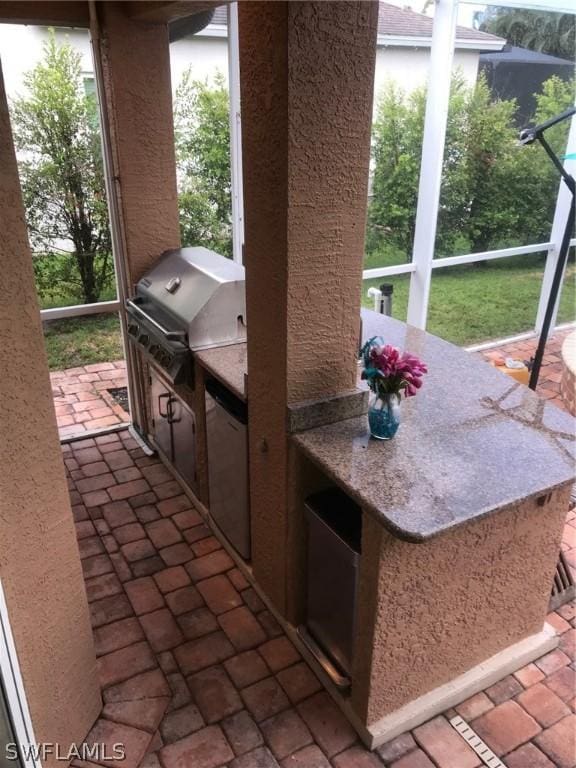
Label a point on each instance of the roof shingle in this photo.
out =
(403, 22)
(394, 22)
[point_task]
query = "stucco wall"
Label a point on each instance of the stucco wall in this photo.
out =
(138, 91)
(330, 106)
(263, 65)
(306, 125)
(39, 562)
(429, 612)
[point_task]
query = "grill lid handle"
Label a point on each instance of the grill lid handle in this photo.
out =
(169, 335)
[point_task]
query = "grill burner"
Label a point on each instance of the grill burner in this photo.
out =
(191, 299)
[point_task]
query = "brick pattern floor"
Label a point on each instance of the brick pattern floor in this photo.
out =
(551, 370)
(82, 401)
(197, 673)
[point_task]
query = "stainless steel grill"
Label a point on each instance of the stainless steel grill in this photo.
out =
(191, 299)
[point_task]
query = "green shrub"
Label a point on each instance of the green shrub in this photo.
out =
(495, 193)
(202, 130)
(56, 134)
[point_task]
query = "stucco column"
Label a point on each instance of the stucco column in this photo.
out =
(137, 94)
(39, 562)
(136, 73)
(306, 72)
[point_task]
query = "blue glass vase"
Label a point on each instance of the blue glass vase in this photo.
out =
(383, 415)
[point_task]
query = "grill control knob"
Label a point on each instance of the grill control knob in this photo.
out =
(154, 349)
(144, 339)
(132, 329)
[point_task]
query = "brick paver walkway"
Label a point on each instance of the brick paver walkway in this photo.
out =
(551, 370)
(82, 401)
(196, 672)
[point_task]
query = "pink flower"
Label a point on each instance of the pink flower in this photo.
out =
(392, 372)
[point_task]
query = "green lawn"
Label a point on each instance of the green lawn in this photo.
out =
(83, 340)
(468, 304)
(479, 302)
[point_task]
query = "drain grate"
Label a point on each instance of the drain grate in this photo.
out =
(563, 587)
(475, 742)
(120, 395)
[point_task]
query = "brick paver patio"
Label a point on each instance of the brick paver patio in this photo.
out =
(551, 370)
(197, 673)
(82, 401)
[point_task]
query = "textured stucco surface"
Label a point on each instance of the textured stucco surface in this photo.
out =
(263, 36)
(136, 63)
(136, 79)
(429, 612)
(307, 74)
(331, 50)
(39, 562)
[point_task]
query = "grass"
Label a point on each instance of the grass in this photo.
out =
(82, 340)
(468, 304)
(479, 302)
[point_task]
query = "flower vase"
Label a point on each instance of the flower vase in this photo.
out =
(384, 415)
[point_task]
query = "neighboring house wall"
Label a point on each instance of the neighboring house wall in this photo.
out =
(408, 67)
(208, 54)
(21, 48)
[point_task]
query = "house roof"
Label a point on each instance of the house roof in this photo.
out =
(403, 22)
(406, 28)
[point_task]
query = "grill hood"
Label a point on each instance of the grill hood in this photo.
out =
(199, 292)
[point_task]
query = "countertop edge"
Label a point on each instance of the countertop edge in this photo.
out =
(214, 371)
(407, 534)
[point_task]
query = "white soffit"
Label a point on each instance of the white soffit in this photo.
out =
(560, 6)
(410, 41)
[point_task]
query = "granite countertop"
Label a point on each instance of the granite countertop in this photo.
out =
(471, 443)
(228, 364)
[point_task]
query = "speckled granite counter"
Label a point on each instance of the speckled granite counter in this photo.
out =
(471, 443)
(229, 365)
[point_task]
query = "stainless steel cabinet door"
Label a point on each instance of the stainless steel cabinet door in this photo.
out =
(228, 475)
(184, 440)
(161, 414)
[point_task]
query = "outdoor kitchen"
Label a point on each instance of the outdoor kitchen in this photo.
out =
(324, 529)
(476, 483)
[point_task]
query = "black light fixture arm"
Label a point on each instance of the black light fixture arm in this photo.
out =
(529, 136)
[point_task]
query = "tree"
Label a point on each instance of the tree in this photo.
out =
(535, 181)
(481, 144)
(202, 130)
(544, 31)
(396, 146)
(494, 193)
(57, 139)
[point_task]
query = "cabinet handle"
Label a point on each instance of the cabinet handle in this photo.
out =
(175, 415)
(160, 397)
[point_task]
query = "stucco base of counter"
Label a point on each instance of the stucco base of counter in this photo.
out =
(450, 694)
(430, 612)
